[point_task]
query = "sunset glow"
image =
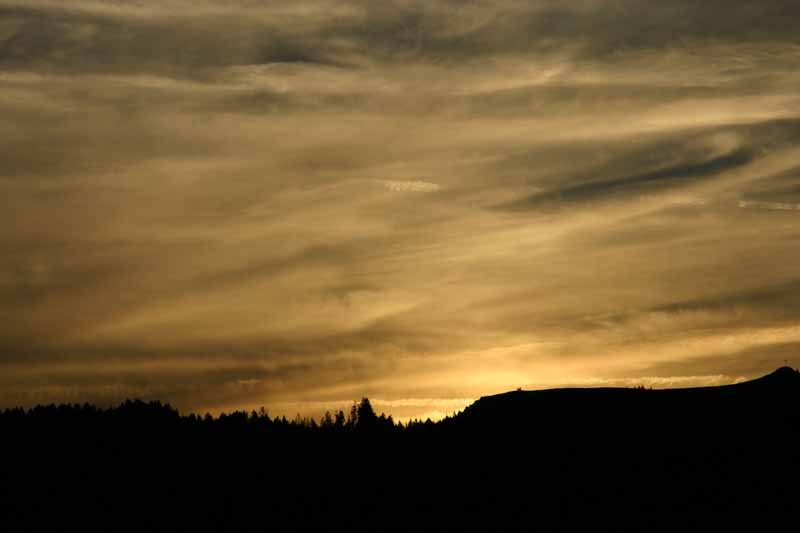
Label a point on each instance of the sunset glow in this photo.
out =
(228, 205)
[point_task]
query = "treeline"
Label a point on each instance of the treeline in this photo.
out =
(568, 460)
(361, 417)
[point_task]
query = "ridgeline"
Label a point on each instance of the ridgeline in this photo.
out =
(567, 459)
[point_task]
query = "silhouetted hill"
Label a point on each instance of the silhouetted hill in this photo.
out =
(608, 459)
(783, 378)
(772, 398)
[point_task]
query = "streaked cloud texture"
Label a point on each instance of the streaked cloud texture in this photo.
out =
(252, 202)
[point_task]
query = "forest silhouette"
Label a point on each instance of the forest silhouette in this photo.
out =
(563, 459)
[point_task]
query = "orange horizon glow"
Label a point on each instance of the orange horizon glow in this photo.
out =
(230, 205)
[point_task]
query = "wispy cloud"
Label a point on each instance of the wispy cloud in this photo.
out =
(773, 206)
(411, 186)
(244, 203)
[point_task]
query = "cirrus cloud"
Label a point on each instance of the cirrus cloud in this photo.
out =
(236, 204)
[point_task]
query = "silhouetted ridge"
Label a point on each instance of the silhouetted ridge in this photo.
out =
(785, 376)
(609, 459)
(769, 399)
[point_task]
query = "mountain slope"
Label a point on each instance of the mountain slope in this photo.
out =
(769, 399)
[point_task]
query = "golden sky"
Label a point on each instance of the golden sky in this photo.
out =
(228, 204)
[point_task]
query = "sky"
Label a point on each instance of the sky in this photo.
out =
(243, 203)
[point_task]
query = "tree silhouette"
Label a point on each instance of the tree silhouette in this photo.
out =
(366, 419)
(339, 420)
(326, 422)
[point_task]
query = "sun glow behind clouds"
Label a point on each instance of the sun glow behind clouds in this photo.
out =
(393, 199)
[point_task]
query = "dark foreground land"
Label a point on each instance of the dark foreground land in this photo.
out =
(568, 460)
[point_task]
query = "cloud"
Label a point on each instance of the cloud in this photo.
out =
(772, 206)
(49, 38)
(411, 186)
(631, 184)
(211, 203)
